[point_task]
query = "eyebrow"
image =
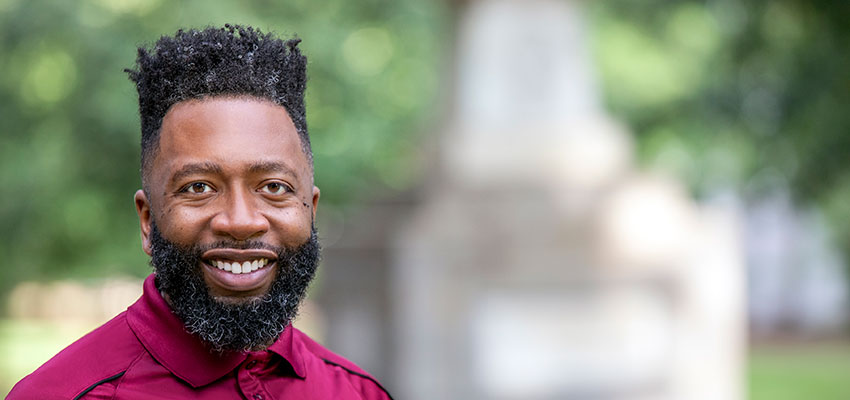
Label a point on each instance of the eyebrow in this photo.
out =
(195, 169)
(270, 166)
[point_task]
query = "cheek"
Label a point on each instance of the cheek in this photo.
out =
(183, 225)
(292, 225)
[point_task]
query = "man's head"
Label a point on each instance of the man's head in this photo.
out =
(228, 203)
(227, 61)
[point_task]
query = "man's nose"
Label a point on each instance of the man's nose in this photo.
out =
(240, 219)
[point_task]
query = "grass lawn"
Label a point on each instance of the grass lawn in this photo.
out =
(800, 372)
(24, 345)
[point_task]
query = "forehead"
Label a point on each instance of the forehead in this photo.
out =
(230, 131)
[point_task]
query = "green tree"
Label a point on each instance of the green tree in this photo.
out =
(70, 130)
(751, 94)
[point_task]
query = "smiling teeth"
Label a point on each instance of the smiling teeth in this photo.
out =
(241, 268)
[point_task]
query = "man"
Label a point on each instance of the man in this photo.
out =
(226, 214)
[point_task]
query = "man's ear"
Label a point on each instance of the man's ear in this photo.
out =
(315, 200)
(143, 208)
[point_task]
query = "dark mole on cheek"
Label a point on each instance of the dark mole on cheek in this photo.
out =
(305, 204)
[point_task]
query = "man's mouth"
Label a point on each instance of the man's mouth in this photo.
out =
(237, 267)
(238, 262)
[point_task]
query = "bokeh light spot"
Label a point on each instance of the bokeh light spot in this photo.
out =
(367, 51)
(51, 77)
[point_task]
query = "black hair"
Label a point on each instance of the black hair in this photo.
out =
(229, 61)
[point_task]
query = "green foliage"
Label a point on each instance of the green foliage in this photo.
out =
(70, 129)
(750, 95)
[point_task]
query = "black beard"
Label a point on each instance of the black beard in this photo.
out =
(226, 326)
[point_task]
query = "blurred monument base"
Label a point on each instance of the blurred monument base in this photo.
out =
(535, 262)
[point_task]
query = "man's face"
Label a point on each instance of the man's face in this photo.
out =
(230, 170)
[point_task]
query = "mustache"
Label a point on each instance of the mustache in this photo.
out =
(198, 249)
(240, 245)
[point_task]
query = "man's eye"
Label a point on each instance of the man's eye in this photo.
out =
(275, 188)
(198, 187)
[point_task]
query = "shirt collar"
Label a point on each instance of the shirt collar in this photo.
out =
(164, 336)
(285, 347)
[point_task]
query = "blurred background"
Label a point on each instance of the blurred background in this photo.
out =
(539, 199)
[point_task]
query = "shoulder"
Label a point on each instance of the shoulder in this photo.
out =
(98, 356)
(334, 364)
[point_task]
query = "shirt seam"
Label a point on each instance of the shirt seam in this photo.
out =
(124, 374)
(364, 376)
(117, 375)
(98, 383)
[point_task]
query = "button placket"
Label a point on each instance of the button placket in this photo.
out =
(249, 374)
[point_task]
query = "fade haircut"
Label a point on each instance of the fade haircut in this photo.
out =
(230, 61)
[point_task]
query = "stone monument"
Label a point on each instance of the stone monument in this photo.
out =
(536, 261)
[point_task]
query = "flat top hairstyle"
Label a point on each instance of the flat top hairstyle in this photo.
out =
(229, 61)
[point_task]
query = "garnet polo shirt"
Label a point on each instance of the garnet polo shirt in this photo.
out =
(145, 353)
